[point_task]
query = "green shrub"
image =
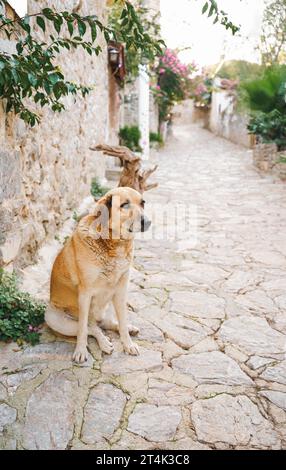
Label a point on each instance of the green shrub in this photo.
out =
(266, 93)
(20, 314)
(269, 127)
(96, 190)
(264, 98)
(130, 137)
(155, 137)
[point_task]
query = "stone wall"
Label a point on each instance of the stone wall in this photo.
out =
(45, 172)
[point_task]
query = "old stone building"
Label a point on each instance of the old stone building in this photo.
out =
(46, 171)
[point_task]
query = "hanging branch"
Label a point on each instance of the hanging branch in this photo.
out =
(132, 174)
(31, 71)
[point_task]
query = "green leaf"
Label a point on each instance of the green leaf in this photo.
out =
(125, 22)
(106, 35)
(47, 87)
(212, 10)
(32, 79)
(48, 13)
(70, 27)
(123, 13)
(58, 21)
(53, 78)
(19, 47)
(93, 31)
(38, 96)
(205, 7)
(41, 23)
(81, 27)
(15, 75)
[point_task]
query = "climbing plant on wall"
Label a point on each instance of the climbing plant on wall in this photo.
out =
(31, 70)
(134, 56)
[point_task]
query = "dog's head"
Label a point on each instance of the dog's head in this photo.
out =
(123, 211)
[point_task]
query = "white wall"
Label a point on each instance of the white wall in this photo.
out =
(225, 121)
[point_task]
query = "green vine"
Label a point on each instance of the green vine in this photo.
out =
(31, 71)
(148, 24)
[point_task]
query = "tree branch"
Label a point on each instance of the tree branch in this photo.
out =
(132, 175)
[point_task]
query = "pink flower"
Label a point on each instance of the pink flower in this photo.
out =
(200, 90)
(33, 328)
(161, 71)
(158, 87)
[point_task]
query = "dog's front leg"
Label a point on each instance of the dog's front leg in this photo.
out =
(119, 303)
(80, 353)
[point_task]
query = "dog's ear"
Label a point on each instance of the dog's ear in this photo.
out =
(111, 201)
(106, 201)
(101, 216)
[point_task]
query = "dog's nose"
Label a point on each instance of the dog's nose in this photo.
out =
(145, 223)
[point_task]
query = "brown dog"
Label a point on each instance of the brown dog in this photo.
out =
(92, 270)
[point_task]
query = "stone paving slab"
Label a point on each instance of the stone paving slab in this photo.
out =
(211, 313)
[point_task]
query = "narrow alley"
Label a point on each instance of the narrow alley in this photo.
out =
(211, 312)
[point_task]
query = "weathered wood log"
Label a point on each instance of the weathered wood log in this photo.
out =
(132, 174)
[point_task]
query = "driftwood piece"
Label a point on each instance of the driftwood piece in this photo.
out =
(132, 174)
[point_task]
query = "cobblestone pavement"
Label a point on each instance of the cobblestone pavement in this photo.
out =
(212, 368)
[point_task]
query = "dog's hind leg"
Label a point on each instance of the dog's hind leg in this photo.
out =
(60, 322)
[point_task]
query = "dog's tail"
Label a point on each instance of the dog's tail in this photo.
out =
(60, 322)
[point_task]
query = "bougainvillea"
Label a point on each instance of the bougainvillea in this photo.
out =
(202, 88)
(173, 82)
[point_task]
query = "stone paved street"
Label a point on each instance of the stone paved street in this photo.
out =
(212, 368)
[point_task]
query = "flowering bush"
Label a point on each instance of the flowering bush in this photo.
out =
(202, 91)
(173, 82)
(20, 315)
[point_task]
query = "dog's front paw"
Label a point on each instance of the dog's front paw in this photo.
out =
(80, 354)
(105, 345)
(131, 348)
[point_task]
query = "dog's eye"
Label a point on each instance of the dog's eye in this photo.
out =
(142, 203)
(125, 205)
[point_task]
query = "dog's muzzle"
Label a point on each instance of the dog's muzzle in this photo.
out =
(145, 223)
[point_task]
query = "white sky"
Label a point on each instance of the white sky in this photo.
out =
(183, 25)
